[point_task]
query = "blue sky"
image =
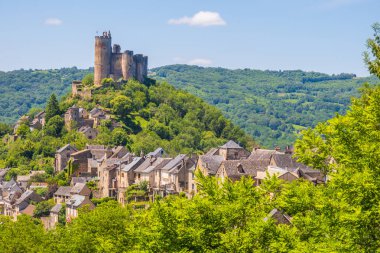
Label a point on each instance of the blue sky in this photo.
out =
(320, 35)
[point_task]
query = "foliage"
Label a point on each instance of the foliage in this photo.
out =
(373, 45)
(271, 106)
(88, 79)
(54, 126)
(21, 90)
(43, 208)
(52, 108)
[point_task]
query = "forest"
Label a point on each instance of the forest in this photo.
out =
(272, 106)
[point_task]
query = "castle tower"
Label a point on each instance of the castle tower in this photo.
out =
(128, 65)
(103, 53)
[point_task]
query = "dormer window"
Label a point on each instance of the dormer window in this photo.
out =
(240, 169)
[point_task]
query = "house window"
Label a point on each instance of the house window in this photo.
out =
(236, 155)
(240, 169)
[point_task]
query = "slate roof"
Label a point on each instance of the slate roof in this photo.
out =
(77, 188)
(231, 144)
(157, 153)
(174, 162)
(75, 180)
(275, 212)
(75, 200)
(63, 191)
(283, 160)
(263, 155)
(249, 168)
(133, 165)
(66, 147)
(26, 196)
(29, 210)
(146, 166)
(56, 208)
(212, 163)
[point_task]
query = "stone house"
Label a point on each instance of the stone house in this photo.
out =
(174, 175)
(76, 202)
(62, 194)
(62, 156)
(24, 201)
(236, 169)
(233, 151)
(278, 172)
(88, 131)
(54, 214)
(127, 176)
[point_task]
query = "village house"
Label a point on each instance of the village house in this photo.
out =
(88, 131)
(62, 156)
(76, 202)
(64, 193)
(39, 121)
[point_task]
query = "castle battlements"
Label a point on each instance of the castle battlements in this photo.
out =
(110, 62)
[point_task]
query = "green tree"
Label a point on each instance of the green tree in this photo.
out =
(23, 130)
(121, 105)
(54, 126)
(52, 108)
(88, 79)
(373, 45)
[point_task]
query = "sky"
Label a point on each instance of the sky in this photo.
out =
(313, 35)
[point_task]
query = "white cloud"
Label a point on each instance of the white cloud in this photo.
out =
(53, 21)
(202, 18)
(200, 62)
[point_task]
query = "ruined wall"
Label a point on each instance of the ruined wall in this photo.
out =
(102, 67)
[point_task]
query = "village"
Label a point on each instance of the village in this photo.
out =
(100, 172)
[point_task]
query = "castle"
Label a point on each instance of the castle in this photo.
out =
(110, 62)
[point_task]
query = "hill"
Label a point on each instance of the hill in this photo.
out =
(21, 90)
(272, 106)
(146, 117)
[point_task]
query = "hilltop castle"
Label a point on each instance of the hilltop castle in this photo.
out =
(110, 62)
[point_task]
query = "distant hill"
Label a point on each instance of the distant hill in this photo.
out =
(22, 89)
(270, 105)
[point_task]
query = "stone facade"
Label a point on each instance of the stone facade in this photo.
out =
(62, 156)
(111, 62)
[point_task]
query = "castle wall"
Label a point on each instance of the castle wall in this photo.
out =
(128, 67)
(116, 66)
(109, 62)
(102, 67)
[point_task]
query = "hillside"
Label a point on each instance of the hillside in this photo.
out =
(147, 117)
(22, 89)
(272, 106)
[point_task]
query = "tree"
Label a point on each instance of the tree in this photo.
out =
(121, 105)
(23, 130)
(54, 126)
(373, 45)
(88, 80)
(52, 108)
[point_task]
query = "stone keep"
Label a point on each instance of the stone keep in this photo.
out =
(110, 62)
